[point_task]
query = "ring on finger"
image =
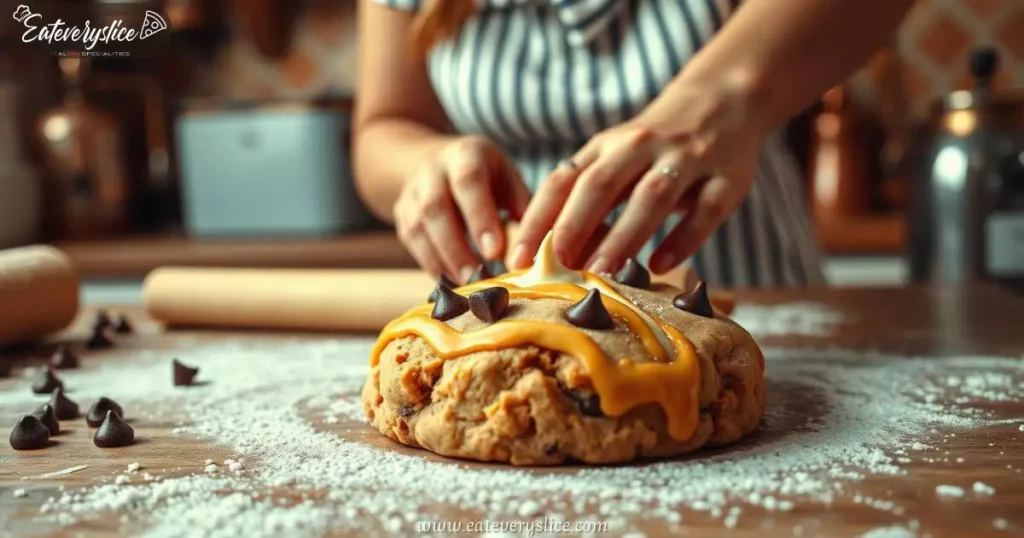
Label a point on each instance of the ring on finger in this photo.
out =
(669, 171)
(568, 163)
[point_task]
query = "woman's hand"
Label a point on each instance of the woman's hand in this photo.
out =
(693, 150)
(460, 187)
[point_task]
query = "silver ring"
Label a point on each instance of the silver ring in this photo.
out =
(669, 171)
(567, 163)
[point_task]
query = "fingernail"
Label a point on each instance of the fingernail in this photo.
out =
(489, 245)
(518, 254)
(600, 265)
(465, 273)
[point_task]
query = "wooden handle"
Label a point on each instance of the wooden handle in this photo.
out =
(38, 293)
(301, 299)
(286, 299)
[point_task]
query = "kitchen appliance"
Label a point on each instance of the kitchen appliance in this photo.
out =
(967, 207)
(267, 169)
(83, 157)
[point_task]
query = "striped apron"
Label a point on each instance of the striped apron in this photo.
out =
(540, 77)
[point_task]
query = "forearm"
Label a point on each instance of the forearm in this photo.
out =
(783, 54)
(386, 153)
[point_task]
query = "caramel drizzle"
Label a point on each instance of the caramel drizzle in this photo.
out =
(621, 385)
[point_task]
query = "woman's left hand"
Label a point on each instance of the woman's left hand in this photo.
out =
(694, 150)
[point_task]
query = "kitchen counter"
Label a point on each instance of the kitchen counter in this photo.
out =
(929, 324)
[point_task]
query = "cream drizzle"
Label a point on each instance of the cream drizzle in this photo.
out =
(548, 269)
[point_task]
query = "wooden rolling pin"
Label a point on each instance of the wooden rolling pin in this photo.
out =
(38, 293)
(290, 299)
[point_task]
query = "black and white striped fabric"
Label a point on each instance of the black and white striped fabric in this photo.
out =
(539, 77)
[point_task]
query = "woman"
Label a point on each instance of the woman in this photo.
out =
(659, 117)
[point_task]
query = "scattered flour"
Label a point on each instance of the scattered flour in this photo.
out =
(834, 418)
(895, 531)
(810, 319)
(982, 488)
(946, 490)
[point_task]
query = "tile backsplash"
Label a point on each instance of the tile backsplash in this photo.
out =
(934, 42)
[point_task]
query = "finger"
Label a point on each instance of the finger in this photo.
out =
(654, 198)
(542, 211)
(547, 202)
(717, 198)
(593, 196)
(470, 182)
(414, 238)
(512, 193)
(443, 225)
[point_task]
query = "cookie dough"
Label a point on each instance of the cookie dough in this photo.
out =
(536, 388)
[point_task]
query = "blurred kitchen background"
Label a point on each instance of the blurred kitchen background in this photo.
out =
(231, 149)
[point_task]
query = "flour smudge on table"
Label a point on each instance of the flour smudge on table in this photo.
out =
(835, 417)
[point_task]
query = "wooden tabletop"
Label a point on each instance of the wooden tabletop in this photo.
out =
(918, 321)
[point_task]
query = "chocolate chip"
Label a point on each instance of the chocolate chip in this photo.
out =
(113, 432)
(123, 325)
(588, 402)
(46, 381)
(443, 281)
(99, 339)
(64, 408)
(64, 358)
(589, 313)
(46, 415)
(634, 275)
(406, 411)
(489, 304)
(449, 304)
(101, 321)
(184, 375)
(98, 411)
(695, 301)
(482, 273)
(29, 433)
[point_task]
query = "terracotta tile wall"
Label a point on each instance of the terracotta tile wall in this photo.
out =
(934, 42)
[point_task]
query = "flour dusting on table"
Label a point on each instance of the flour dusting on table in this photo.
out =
(834, 418)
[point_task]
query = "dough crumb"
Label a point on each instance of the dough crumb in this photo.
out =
(235, 466)
(1000, 523)
(211, 468)
(208, 462)
(132, 467)
(19, 493)
(122, 479)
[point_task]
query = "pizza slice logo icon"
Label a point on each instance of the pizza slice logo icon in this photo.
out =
(151, 25)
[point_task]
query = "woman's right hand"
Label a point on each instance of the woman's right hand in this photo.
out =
(459, 188)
